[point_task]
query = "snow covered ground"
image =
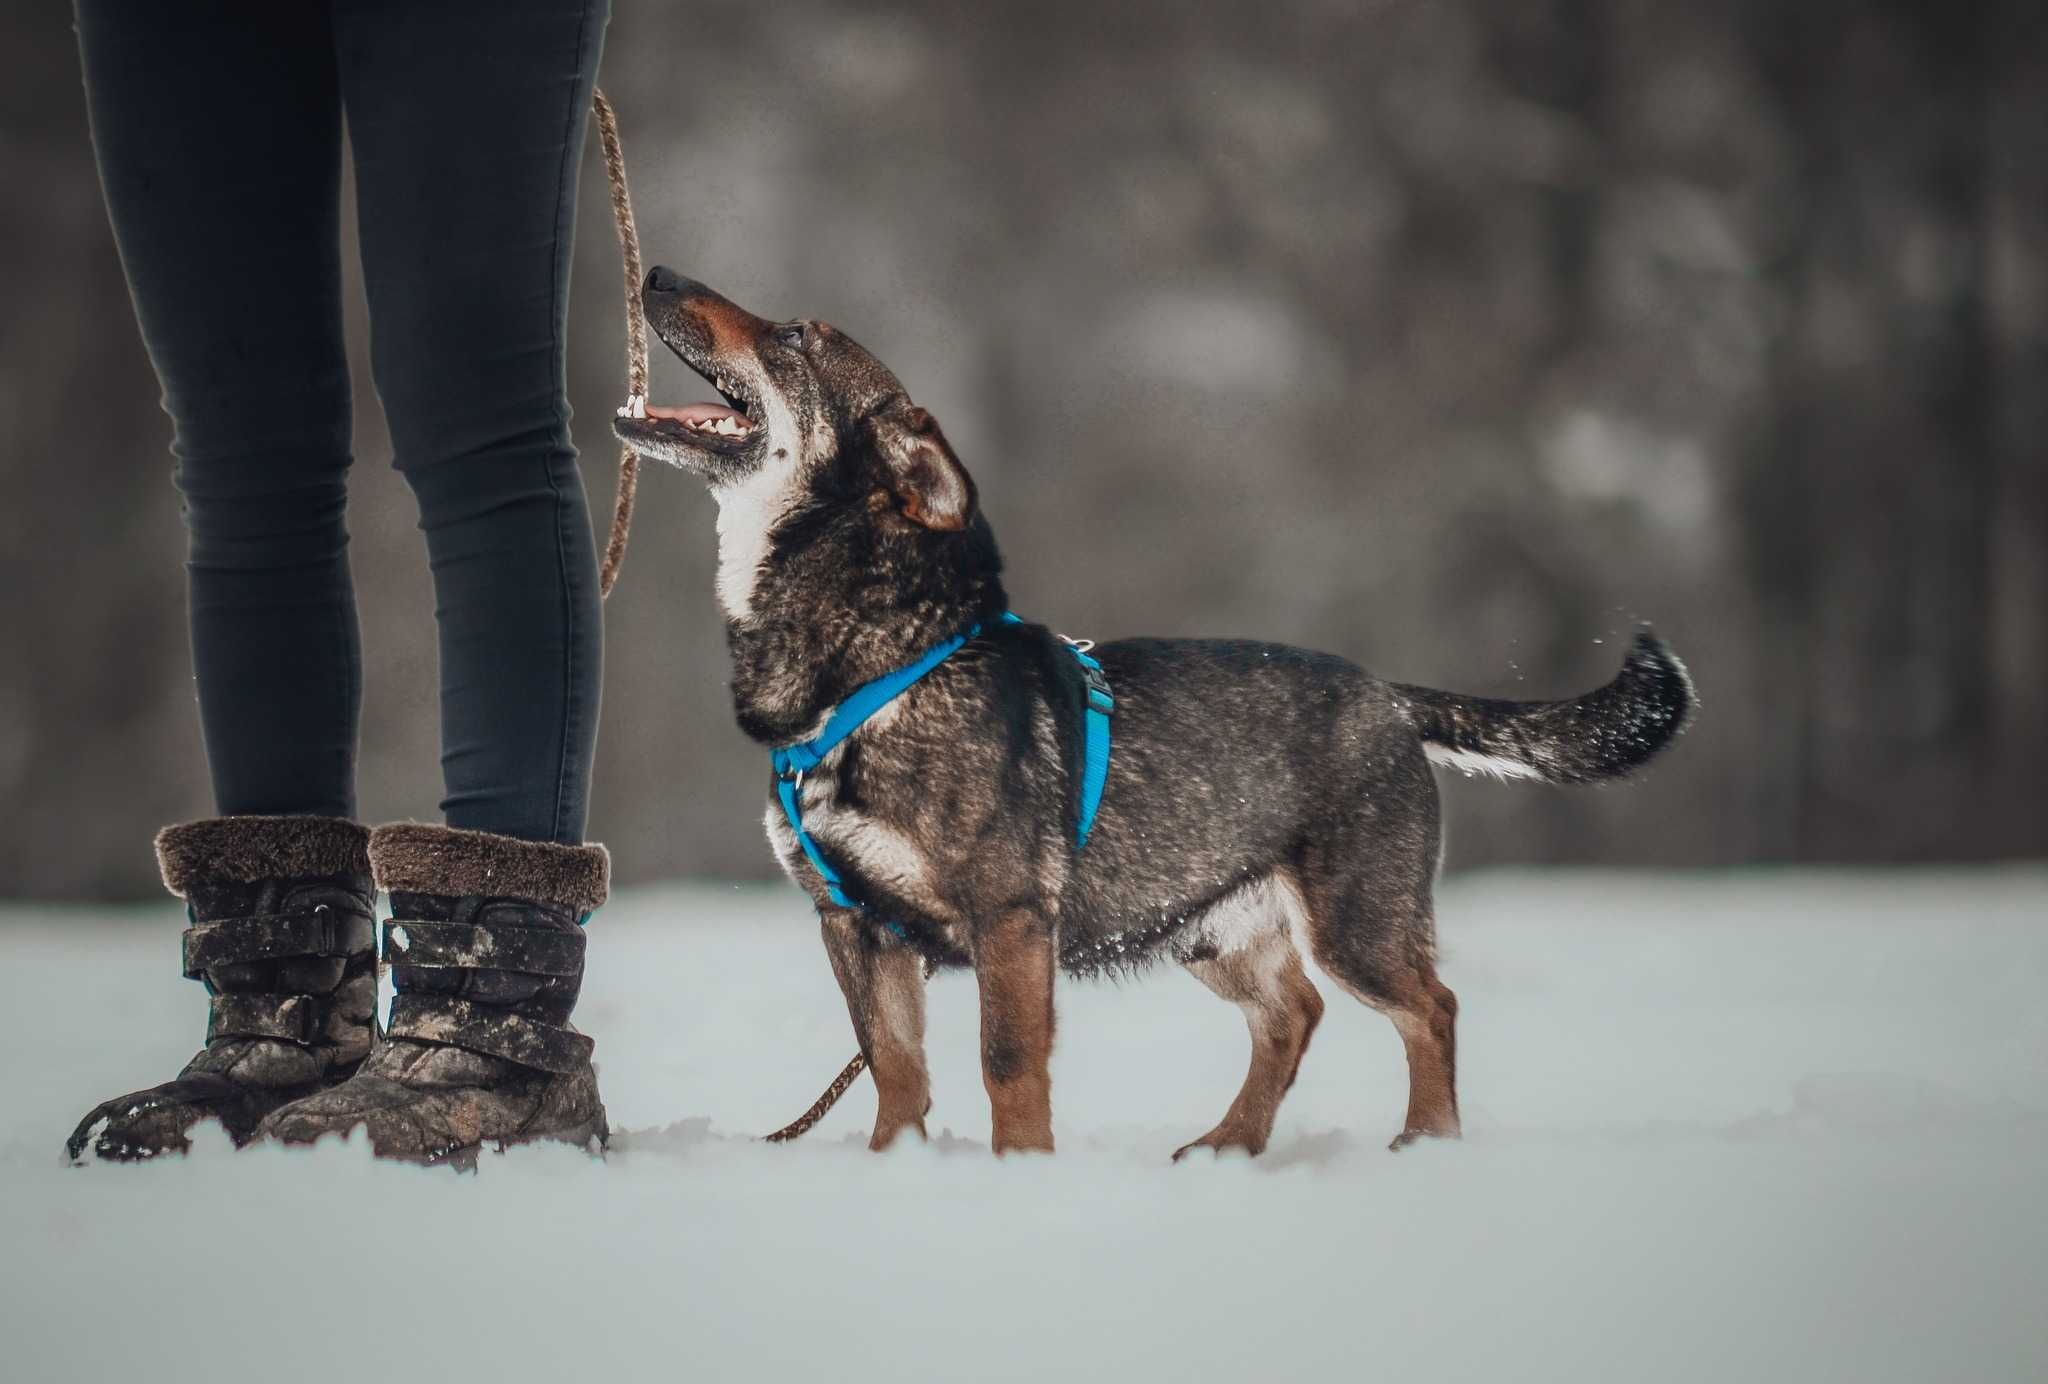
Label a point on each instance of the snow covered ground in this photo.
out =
(1764, 1126)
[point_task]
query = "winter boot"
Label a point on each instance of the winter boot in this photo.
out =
(485, 945)
(282, 931)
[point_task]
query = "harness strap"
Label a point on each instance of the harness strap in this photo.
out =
(787, 785)
(1094, 744)
(869, 698)
(792, 762)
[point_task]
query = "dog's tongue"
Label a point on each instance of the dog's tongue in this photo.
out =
(695, 415)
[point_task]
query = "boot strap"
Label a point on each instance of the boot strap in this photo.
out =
(493, 1032)
(470, 947)
(294, 1018)
(319, 931)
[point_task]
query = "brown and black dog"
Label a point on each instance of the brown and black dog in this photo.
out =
(1262, 801)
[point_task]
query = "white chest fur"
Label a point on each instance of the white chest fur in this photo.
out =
(747, 516)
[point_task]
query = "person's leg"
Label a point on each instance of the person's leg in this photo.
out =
(217, 129)
(467, 119)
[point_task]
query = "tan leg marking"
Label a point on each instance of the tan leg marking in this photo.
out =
(1013, 966)
(1426, 1017)
(1281, 1008)
(1424, 1012)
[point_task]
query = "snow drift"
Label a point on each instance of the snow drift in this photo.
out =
(1773, 1125)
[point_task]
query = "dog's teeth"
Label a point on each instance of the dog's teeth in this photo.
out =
(725, 426)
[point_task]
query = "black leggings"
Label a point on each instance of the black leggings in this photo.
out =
(217, 125)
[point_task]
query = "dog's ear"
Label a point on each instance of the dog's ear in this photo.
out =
(931, 487)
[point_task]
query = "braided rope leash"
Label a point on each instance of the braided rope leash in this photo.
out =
(822, 1106)
(636, 334)
(629, 484)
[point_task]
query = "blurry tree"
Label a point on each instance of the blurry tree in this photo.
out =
(1456, 337)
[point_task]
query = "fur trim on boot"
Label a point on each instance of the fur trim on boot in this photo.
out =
(414, 858)
(243, 850)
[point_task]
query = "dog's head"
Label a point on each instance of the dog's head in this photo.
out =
(807, 418)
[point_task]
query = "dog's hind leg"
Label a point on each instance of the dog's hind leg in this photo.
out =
(1376, 939)
(1425, 1013)
(884, 988)
(1281, 1008)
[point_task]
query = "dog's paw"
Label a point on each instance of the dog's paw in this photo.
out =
(889, 1132)
(1410, 1136)
(1219, 1144)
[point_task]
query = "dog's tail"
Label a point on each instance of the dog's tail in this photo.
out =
(1602, 735)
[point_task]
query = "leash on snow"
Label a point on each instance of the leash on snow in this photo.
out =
(629, 484)
(801, 1125)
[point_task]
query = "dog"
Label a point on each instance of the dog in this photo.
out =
(1263, 803)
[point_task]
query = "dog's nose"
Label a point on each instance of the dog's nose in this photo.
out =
(662, 279)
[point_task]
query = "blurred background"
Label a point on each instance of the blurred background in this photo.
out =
(1454, 337)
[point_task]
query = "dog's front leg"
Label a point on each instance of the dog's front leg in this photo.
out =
(1013, 964)
(884, 988)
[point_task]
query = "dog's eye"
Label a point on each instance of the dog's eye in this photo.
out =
(792, 335)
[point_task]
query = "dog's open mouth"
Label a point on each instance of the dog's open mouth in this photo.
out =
(729, 422)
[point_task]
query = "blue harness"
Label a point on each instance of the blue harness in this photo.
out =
(792, 762)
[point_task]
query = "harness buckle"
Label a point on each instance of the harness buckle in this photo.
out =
(1099, 695)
